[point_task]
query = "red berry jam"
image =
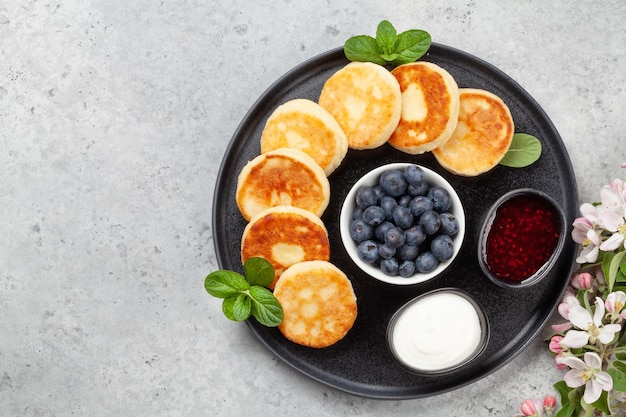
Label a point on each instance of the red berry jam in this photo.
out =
(524, 234)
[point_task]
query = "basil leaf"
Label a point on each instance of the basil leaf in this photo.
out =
(386, 37)
(258, 271)
(265, 307)
(363, 48)
(223, 284)
(411, 46)
(524, 150)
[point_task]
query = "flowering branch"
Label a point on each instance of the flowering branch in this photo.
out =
(591, 343)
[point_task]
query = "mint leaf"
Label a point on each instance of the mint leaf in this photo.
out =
(223, 284)
(411, 46)
(524, 150)
(388, 47)
(265, 307)
(258, 271)
(237, 308)
(386, 37)
(363, 48)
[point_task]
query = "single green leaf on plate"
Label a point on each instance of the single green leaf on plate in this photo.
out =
(265, 307)
(524, 150)
(223, 284)
(238, 307)
(363, 48)
(386, 37)
(411, 45)
(258, 271)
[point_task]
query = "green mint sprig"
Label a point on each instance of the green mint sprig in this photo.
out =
(247, 295)
(524, 150)
(388, 47)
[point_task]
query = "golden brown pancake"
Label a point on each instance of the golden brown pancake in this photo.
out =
(285, 235)
(282, 177)
(482, 136)
(365, 100)
(318, 302)
(430, 107)
(305, 125)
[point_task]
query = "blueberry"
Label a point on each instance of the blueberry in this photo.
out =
(449, 224)
(366, 196)
(430, 222)
(360, 231)
(373, 215)
(417, 189)
(394, 237)
(381, 229)
(358, 213)
(404, 200)
(389, 266)
(386, 252)
(414, 174)
(425, 262)
(407, 252)
(379, 192)
(393, 183)
(442, 247)
(402, 217)
(441, 198)
(388, 203)
(368, 251)
(415, 235)
(406, 269)
(420, 205)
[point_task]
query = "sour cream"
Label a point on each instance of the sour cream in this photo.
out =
(437, 331)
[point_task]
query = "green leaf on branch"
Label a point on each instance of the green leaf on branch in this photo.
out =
(611, 267)
(602, 404)
(618, 373)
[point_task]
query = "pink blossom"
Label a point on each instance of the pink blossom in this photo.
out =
(588, 373)
(558, 361)
(615, 303)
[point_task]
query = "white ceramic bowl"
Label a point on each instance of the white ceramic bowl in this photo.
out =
(347, 212)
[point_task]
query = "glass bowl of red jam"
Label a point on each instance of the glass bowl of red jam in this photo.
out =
(521, 238)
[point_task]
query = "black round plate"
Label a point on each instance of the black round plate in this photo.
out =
(361, 363)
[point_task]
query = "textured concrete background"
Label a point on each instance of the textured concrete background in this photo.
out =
(114, 117)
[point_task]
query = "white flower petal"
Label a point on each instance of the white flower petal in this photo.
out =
(574, 363)
(592, 391)
(604, 380)
(573, 378)
(607, 333)
(575, 339)
(612, 242)
(599, 313)
(580, 317)
(592, 360)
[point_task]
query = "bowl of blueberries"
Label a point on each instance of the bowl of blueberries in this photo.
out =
(402, 223)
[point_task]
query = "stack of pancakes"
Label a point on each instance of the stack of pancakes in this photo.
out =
(284, 191)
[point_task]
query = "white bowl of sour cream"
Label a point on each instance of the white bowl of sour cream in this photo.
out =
(438, 332)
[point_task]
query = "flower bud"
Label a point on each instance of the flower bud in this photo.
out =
(583, 281)
(549, 403)
(615, 302)
(555, 346)
(528, 408)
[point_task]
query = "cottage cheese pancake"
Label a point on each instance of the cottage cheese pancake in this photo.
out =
(365, 100)
(305, 125)
(282, 177)
(318, 302)
(430, 107)
(482, 136)
(285, 235)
